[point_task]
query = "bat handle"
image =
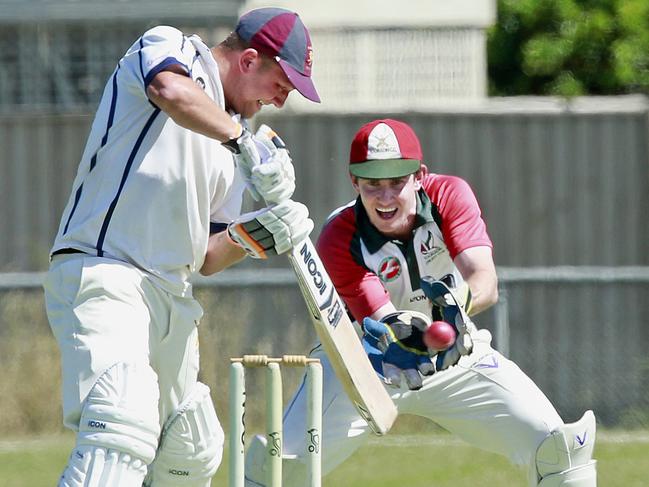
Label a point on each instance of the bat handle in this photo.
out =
(272, 135)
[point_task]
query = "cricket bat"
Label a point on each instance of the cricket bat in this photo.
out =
(340, 341)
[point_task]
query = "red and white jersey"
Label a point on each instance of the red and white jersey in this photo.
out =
(147, 189)
(368, 269)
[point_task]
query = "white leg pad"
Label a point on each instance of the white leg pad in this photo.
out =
(191, 444)
(564, 458)
(98, 467)
(256, 462)
(118, 430)
(582, 476)
(293, 468)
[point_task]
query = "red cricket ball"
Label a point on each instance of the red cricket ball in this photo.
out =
(440, 335)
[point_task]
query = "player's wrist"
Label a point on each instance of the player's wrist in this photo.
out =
(231, 241)
(232, 144)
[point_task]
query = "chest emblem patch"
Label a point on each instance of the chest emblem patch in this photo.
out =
(389, 269)
(428, 248)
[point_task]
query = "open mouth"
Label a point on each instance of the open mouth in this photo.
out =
(386, 213)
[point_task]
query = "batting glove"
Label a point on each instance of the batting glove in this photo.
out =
(395, 347)
(264, 163)
(273, 230)
(274, 178)
(454, 313)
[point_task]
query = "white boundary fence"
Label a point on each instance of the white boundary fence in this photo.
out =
(275, 276)
(559, 274)
(507, 276)
(581, 333)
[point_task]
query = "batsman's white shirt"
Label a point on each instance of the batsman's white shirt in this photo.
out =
(142, 203)
(147, 189)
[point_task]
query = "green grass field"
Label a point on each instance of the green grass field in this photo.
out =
(436, 460)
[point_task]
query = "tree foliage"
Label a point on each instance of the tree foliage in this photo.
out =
(569, 47)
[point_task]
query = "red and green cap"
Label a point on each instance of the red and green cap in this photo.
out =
(385, 149)
(280, 33)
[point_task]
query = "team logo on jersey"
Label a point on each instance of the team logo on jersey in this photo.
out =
(389, 269)
(428, 248)
(200, 82)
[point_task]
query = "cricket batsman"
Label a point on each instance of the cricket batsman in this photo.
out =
(157, 198)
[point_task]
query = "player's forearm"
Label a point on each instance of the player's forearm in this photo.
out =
(484, 291)
(221, 254)
(479, 271)
(179, 97)
(384, 310)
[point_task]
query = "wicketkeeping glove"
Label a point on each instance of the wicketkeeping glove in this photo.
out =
(395, 346)
(265, 165)
(273, 230)
(454, 313)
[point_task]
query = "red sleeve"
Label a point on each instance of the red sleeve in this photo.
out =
(359, 288)
(462, 223)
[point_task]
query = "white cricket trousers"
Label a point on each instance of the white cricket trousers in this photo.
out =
(103, 312)
(486, 400)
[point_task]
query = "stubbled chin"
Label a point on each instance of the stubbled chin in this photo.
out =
(384, 226)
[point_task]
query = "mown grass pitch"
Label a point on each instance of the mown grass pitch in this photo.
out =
(397, 460)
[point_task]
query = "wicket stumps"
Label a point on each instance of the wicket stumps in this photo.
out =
(274, 435)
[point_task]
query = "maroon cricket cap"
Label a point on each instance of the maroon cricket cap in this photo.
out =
(385, 149)
(280, 33)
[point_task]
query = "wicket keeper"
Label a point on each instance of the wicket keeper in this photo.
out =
(412, 248)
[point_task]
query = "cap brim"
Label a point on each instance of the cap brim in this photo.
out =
(385, 168)
(303, 84)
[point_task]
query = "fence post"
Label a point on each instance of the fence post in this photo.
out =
(501, 312)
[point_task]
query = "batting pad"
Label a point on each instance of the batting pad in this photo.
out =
(121, 412)
(91, 466)
(191, 444)
(118, 430)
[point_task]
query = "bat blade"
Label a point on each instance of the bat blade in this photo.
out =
(340, 341)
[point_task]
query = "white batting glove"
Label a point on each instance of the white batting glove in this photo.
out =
(274, 178)
(265, 165)
(273, 230)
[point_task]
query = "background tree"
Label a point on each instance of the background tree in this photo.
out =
(569, 47)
